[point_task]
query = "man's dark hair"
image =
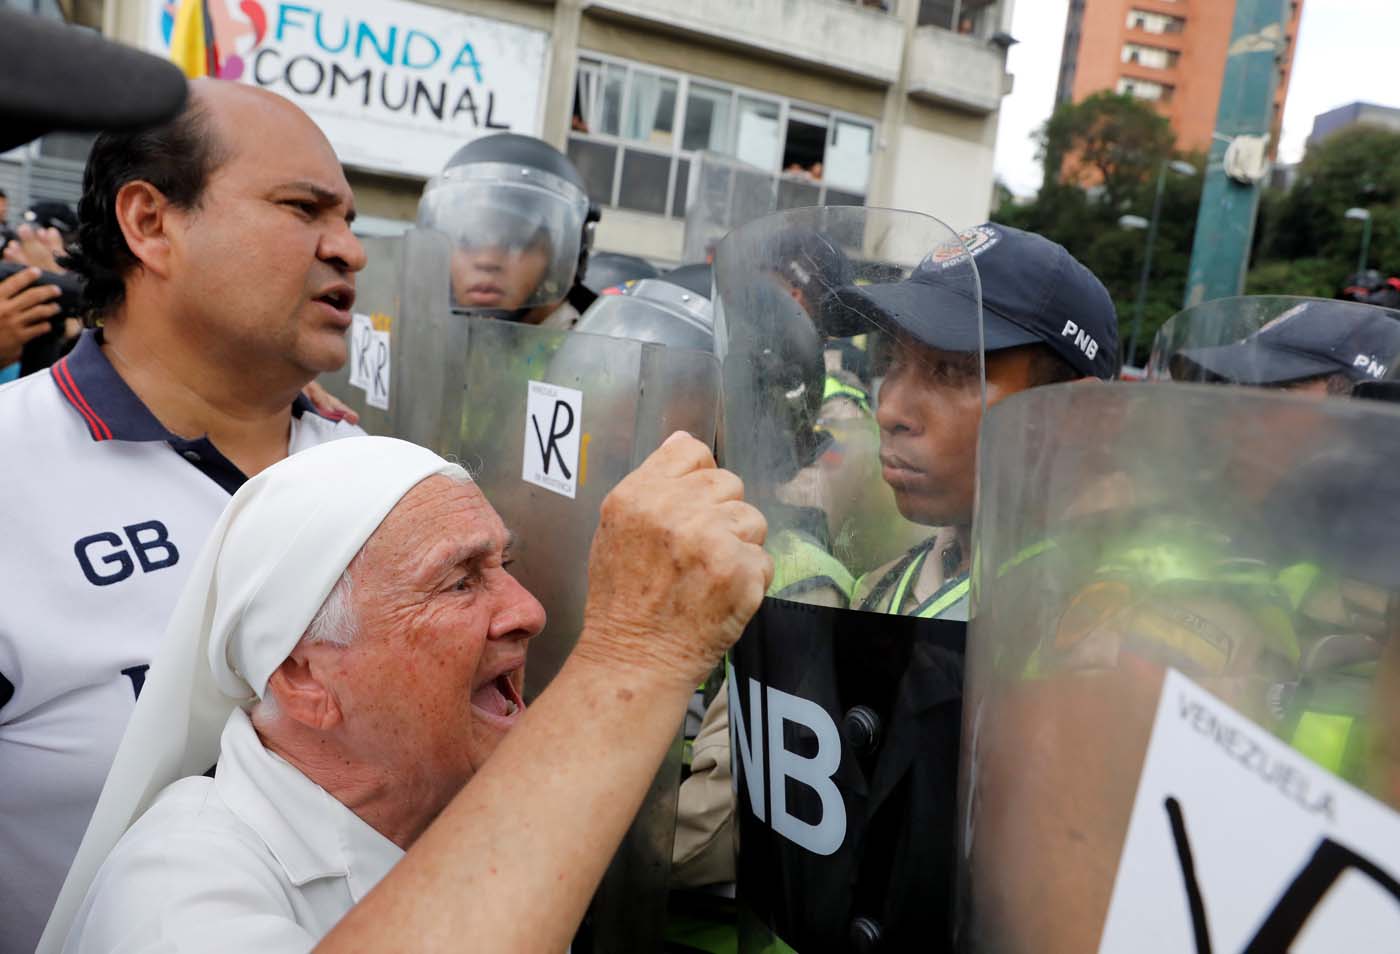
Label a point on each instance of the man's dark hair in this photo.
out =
(1338, 384)
(177, 158)
(1047, 367)
(3, 195)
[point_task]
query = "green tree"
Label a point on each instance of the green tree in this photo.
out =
(1107, 141)
(1102, 157)
(1355, 168)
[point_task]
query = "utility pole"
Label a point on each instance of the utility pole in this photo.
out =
(1225, 226)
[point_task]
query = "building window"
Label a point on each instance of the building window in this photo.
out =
(978, 18)
(1146, 90)
(1155, 22)
(884, 6)
(1150, 56)
(636, 131)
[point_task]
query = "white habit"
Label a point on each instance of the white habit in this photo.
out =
(257, 859)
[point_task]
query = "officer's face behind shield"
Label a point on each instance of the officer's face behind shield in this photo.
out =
(1136, 548)
(1311, 348)
(501, 264)
(801, 422)
(517, 233)
(929, 410)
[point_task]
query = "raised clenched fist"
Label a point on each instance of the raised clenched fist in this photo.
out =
(677, 567)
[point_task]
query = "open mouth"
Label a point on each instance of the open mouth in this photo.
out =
(341, 298)
(498, 701)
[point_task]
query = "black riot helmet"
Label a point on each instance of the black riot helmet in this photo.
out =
(519, 215)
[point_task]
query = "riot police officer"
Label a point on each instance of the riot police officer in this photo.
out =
(1235, 540)
(1305, 345)
(844, 723)
(1046, 319)
(522, 225)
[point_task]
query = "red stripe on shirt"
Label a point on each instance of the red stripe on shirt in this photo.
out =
(69, 387)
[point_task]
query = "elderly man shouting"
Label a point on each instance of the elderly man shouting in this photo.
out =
(349, 648)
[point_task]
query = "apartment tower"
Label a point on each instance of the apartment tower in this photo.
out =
(1170, 53)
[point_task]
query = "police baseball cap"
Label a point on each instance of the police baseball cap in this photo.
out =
(1313, 339)
(1033, 292)
(54, 76)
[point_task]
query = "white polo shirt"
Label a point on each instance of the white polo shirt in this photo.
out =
(257, 859)
(102, 512)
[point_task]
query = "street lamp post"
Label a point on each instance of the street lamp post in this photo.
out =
(1180, 168)
(1363, 216)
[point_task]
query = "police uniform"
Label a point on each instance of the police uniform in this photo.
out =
(930, 582)
(106, 510)
(860, 856)
(1340, 622)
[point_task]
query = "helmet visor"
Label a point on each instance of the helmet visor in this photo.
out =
(516, 233)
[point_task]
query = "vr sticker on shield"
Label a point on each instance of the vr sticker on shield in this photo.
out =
(553, 425)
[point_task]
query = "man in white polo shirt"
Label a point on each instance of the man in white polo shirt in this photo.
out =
(218, 255)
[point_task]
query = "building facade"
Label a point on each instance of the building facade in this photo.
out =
(879, 102)
(1336, 120)
(1170, 53)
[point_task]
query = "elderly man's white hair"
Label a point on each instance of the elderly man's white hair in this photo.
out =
(270, 565)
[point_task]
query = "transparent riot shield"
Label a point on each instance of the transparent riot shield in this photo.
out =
(397, 375)
(548, 422)
(724, 194)
(1182, 727)
(844, 694)
(376, 306)
(1276, 341)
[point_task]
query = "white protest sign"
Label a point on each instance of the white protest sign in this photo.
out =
(396, 86)
(361, 334)
(1240, 845)
(553, 425)
(377, 387)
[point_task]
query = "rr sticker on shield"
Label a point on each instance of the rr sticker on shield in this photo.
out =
(361, 339)
(378, 363)
(553, 423)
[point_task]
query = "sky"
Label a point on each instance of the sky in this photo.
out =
(1347, 51)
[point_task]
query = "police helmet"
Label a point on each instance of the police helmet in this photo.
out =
(653, 310)
(519, 215)
(609, 270)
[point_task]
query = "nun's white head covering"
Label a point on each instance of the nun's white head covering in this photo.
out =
(272, 559)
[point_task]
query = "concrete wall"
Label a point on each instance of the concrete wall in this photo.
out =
(627, 40)
(959, 71)
(829, 35)
(944, 168)
(633, 233)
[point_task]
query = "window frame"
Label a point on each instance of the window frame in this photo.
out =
(595, 65)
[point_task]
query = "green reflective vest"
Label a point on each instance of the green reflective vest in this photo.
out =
(835, 387)
(802, 564)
